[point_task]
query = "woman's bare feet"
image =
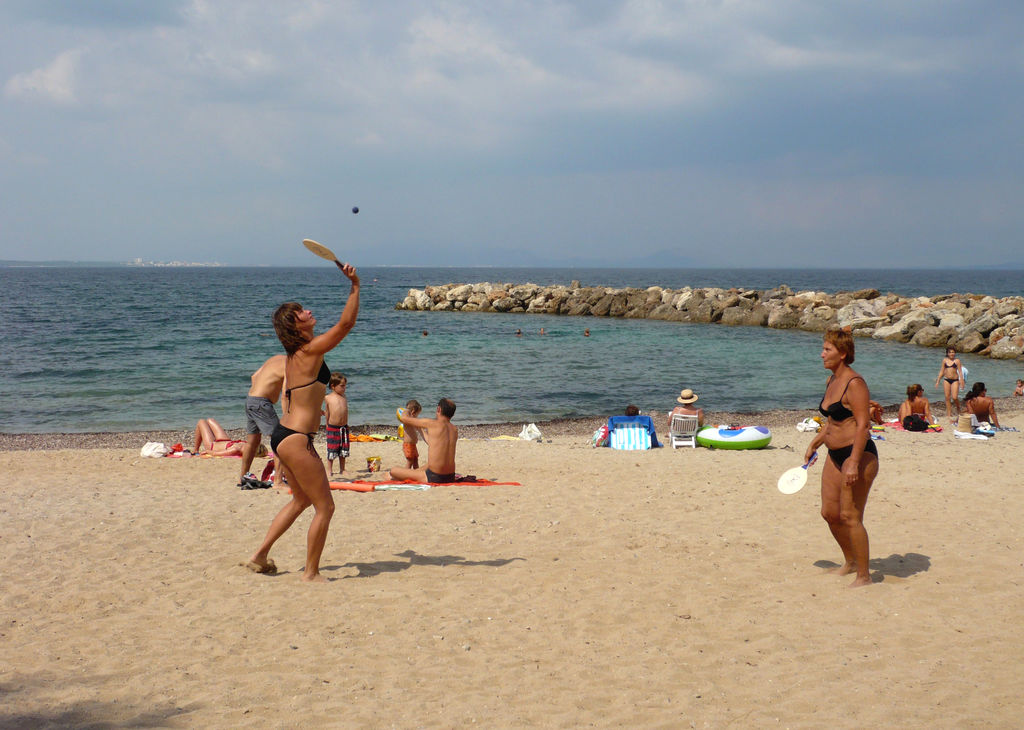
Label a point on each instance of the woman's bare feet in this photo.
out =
(259, 564)
(844, 569)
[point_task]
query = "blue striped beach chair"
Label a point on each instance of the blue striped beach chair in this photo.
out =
(631, 433)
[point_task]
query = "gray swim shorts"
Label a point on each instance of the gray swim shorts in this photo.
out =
(260, 416)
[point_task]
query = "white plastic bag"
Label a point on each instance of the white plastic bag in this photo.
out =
(530, 433)
(154, 449)
(808, 424)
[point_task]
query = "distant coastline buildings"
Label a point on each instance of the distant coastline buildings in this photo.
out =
(140, 262)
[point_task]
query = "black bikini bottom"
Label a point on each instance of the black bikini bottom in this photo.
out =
(283, 432)
(841, 454)
(434, 478)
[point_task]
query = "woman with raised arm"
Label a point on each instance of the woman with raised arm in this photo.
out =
(852, 462)
(306, 375)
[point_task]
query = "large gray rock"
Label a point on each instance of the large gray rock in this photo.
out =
(756, 316)
(619, 305)
(949, 319)
(933, 336)
(1008, 348)
(781, 317)
(891, 333)
(913, 322)
(705, 312)
(983, 324)
(602, 306)
(662, 311)
(969, 341)
(860, 310)
(1009, 306)
(524, 292)
(423, 300)
(817, 319)
(538, 304)
(459, 293)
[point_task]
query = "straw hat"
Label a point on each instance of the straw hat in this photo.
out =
(686, 396)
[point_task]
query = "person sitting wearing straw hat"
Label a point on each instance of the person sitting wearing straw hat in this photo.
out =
(687, 397)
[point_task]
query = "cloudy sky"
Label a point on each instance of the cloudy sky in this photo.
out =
(784, 133)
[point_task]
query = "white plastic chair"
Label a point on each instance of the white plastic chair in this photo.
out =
(683, 431)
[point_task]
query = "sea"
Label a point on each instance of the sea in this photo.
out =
(119, 348)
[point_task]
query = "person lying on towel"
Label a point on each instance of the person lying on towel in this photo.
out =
(441, 437)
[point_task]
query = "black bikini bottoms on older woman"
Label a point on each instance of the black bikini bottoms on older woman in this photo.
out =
(840, 455)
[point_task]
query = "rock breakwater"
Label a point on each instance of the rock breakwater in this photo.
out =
(969, 322)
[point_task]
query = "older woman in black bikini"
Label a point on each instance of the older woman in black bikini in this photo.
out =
(292, 440)
(852, 462)
(951, 373)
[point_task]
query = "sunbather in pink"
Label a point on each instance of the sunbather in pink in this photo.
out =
(214, 438)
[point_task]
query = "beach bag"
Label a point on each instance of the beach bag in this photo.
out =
(530, 433)
(915, 422)
(600, 437)
(154, 449)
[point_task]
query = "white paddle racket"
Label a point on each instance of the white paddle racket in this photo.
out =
(793, 480)
(321, 250)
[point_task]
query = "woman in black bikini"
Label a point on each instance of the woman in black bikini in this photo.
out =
(852, 462)
(292, 440)
(951, 373)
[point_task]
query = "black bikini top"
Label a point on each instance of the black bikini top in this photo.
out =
(837, 411)
(324, 376)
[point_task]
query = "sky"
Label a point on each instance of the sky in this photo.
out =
(746, 133)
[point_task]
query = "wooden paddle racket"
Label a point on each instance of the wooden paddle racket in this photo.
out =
(321, 250)
(793, 480)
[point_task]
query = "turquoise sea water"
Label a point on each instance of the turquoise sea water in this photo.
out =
(124, 349)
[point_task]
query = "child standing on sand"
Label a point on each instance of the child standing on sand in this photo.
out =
(411, 435)
(336, 412)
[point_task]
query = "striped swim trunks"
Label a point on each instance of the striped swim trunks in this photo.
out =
(337, 442)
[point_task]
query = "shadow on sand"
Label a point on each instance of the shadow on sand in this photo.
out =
(81, 714)
(367, 570)
(897, 566)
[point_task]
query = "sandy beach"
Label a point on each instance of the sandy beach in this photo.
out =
(669, 588)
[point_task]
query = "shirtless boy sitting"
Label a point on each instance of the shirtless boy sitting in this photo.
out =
(441, 437)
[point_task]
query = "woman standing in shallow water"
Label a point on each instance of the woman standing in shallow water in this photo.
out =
(852, 462)
(292, 440)
(951, 374)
